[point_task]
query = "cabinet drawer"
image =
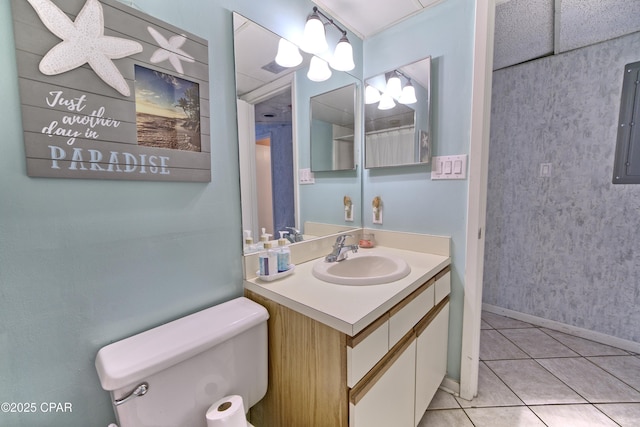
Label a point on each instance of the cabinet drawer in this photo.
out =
(367, 348)
(443, 284)
(405, 315)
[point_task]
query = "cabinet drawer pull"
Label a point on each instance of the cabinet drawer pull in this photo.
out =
(372, 377)
(360, 336)
(428, 318)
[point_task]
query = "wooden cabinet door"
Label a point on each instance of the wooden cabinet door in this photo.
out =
(431, 357)
(386, 397)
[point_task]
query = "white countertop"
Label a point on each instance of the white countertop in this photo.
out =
(348, 309)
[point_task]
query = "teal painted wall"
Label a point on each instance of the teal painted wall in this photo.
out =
(85, 262)
(411, 201)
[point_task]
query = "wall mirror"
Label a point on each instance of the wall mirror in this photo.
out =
(397, 116)
(332, 130)
(273, 131)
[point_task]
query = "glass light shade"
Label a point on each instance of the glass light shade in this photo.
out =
(408, 95)
(318, 70)
(288, 54)
(314, 39)
(386, 102)
(371, 95)
(343, 56)
(394, 87)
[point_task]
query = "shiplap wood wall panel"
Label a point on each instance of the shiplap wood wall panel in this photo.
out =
(78, 126)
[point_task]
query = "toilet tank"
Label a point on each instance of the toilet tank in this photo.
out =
(188, 364)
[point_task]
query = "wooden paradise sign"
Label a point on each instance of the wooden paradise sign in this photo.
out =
(108, 92)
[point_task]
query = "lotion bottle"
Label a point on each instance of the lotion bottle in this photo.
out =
(263, 262)
(268, 261)
(272, 256)
(284, 253)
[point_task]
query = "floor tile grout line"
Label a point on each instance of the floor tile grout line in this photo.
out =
(539, 364)
(505, 384)
(563, 357)
(611, 373)
(588, 361)
(578, 355)
(539, 329)
(545, 329)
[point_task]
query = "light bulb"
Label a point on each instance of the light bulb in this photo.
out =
(386, 102)
(318, 70)
(394, 86)
(314, 39)
(343, 56)
(371, 95)
(288, 54)
(408, 95)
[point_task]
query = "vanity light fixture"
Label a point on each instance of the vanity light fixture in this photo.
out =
(288, 54)
(314, 41)
(318, 70)
(395, 92)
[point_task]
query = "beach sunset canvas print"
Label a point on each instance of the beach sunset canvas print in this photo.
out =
(167, 111)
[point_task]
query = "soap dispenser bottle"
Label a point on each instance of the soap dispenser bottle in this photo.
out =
(249, 246)
(268, 260)
(264, 237)
(284, 253)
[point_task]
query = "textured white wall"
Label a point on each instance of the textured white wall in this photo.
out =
(563, 248)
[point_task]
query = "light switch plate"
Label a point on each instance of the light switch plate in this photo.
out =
(449, 167)
(545, 170)
(305, 176)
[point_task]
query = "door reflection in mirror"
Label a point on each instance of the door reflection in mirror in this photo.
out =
(332, 130)
(274, 163)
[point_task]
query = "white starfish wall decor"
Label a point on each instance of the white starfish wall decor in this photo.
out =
(169, 50)
(84, 42)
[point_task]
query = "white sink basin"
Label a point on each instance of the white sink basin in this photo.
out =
(362, 268)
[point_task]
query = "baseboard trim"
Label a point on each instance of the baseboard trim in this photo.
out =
(563, 327)
(451, 386)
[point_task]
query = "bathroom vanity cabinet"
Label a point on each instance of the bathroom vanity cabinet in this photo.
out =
(385, 375)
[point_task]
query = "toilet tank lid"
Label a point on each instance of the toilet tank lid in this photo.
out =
(132, 359)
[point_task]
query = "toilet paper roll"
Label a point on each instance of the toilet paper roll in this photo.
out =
(227, 412)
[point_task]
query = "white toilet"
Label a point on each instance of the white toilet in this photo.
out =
(172, 374)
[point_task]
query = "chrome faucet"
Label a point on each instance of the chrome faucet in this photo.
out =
(340, 250)
(294, 235)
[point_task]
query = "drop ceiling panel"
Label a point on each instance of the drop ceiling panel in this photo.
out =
(584, 22)
(523, 31)
(259, 47)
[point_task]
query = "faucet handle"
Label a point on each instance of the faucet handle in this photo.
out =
(340, 239)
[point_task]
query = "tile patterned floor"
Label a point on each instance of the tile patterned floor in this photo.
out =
(533, 376)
